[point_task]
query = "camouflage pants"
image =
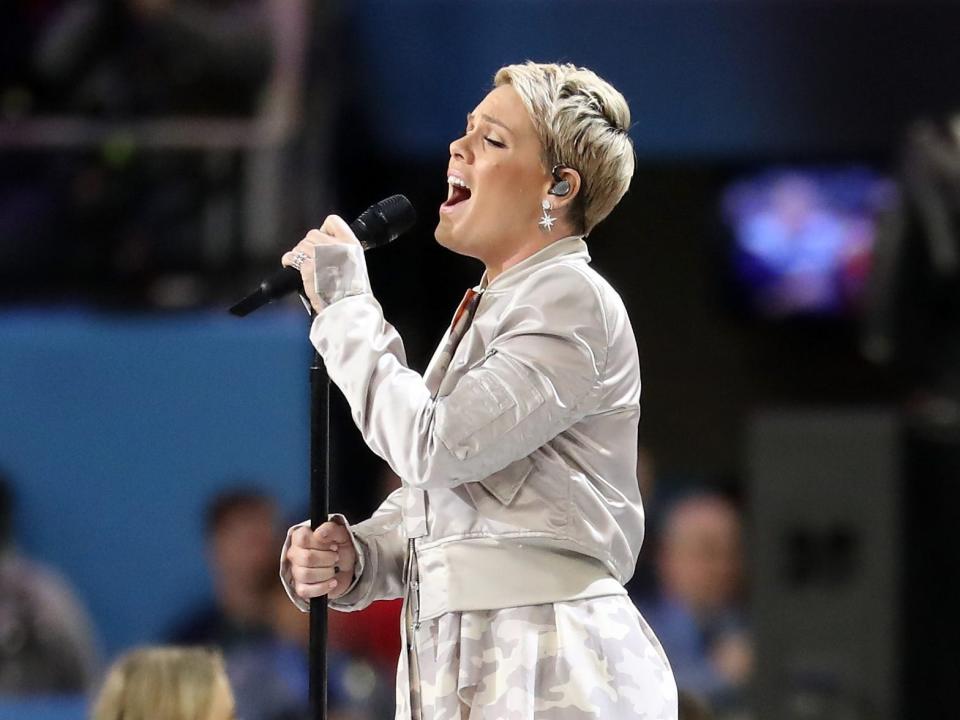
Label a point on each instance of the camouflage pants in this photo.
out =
(594, 658)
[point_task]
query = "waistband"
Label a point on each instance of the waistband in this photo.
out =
(491, 573)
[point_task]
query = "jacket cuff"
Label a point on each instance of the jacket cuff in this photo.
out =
(357, 596)
(360, 562)
(340, 271)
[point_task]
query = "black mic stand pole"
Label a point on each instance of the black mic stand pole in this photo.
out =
(319, 511)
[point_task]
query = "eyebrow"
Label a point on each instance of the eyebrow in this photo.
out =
(492, 120)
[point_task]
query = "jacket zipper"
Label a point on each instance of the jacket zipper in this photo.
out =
(415, 582)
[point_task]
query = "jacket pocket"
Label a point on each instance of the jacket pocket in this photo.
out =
(505, 484)
(477, 417)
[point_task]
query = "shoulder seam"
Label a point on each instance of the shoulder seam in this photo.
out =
(598, 296)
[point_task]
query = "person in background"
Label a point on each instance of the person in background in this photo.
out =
(46, 637)
(271, 677)
(241, 527)
(697, 611)
(692, 708)
(166, 683)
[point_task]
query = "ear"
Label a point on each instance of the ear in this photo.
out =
(565, 187)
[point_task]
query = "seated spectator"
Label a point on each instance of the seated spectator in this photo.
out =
(697, 611)
(46, 637)
(271, 677)
(166, 684)
(241, 531)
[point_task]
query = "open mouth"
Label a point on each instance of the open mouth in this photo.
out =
(458, 192)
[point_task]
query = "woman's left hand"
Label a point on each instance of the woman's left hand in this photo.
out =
(334, 231)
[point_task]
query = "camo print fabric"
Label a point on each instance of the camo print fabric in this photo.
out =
(594, 658)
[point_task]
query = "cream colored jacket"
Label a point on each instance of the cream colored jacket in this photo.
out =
(517, 447)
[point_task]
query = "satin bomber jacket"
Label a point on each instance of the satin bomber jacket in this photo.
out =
(517, 448)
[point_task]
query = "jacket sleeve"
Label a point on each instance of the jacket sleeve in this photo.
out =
(540, 375)
(380, 545)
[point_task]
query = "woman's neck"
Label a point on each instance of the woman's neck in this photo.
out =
(517, 253)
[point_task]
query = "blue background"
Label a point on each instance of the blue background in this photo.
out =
(117, 429)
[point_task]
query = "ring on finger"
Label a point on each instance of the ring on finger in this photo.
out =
(299, 257)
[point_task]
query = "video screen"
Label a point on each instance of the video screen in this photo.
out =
(804, 238)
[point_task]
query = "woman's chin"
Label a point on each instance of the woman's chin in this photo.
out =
(444, 233)
(449, 230)
(450, 235)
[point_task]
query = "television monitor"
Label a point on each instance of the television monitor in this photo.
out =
(803, 238)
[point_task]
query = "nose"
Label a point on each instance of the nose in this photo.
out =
(459, 149)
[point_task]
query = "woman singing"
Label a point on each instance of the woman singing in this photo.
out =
(519, 519)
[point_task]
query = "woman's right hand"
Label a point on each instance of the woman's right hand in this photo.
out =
(321, 560)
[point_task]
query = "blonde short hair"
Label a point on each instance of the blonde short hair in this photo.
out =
(160, 683)
(582, 121)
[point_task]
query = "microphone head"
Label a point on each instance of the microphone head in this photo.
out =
(384, 222)
(379, 224)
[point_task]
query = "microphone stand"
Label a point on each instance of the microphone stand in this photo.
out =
(319, 511)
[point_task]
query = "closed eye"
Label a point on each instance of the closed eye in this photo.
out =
(495, 143)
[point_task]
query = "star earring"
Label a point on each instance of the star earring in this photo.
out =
(547, 220)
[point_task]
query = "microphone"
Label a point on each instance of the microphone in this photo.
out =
(379, 224)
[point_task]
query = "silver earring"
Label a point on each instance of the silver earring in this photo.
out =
(547, 220)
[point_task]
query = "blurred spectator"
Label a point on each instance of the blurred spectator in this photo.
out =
(166, 684)
(691, 708)
(46, 637)
(372, 634)
(271, 677)
(698, 613)
(241, 530)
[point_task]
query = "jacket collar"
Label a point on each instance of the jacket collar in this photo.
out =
(572, 247)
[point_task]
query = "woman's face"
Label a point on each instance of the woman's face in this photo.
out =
(499, 160)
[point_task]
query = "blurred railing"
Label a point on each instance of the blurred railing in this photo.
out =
(174, 133)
